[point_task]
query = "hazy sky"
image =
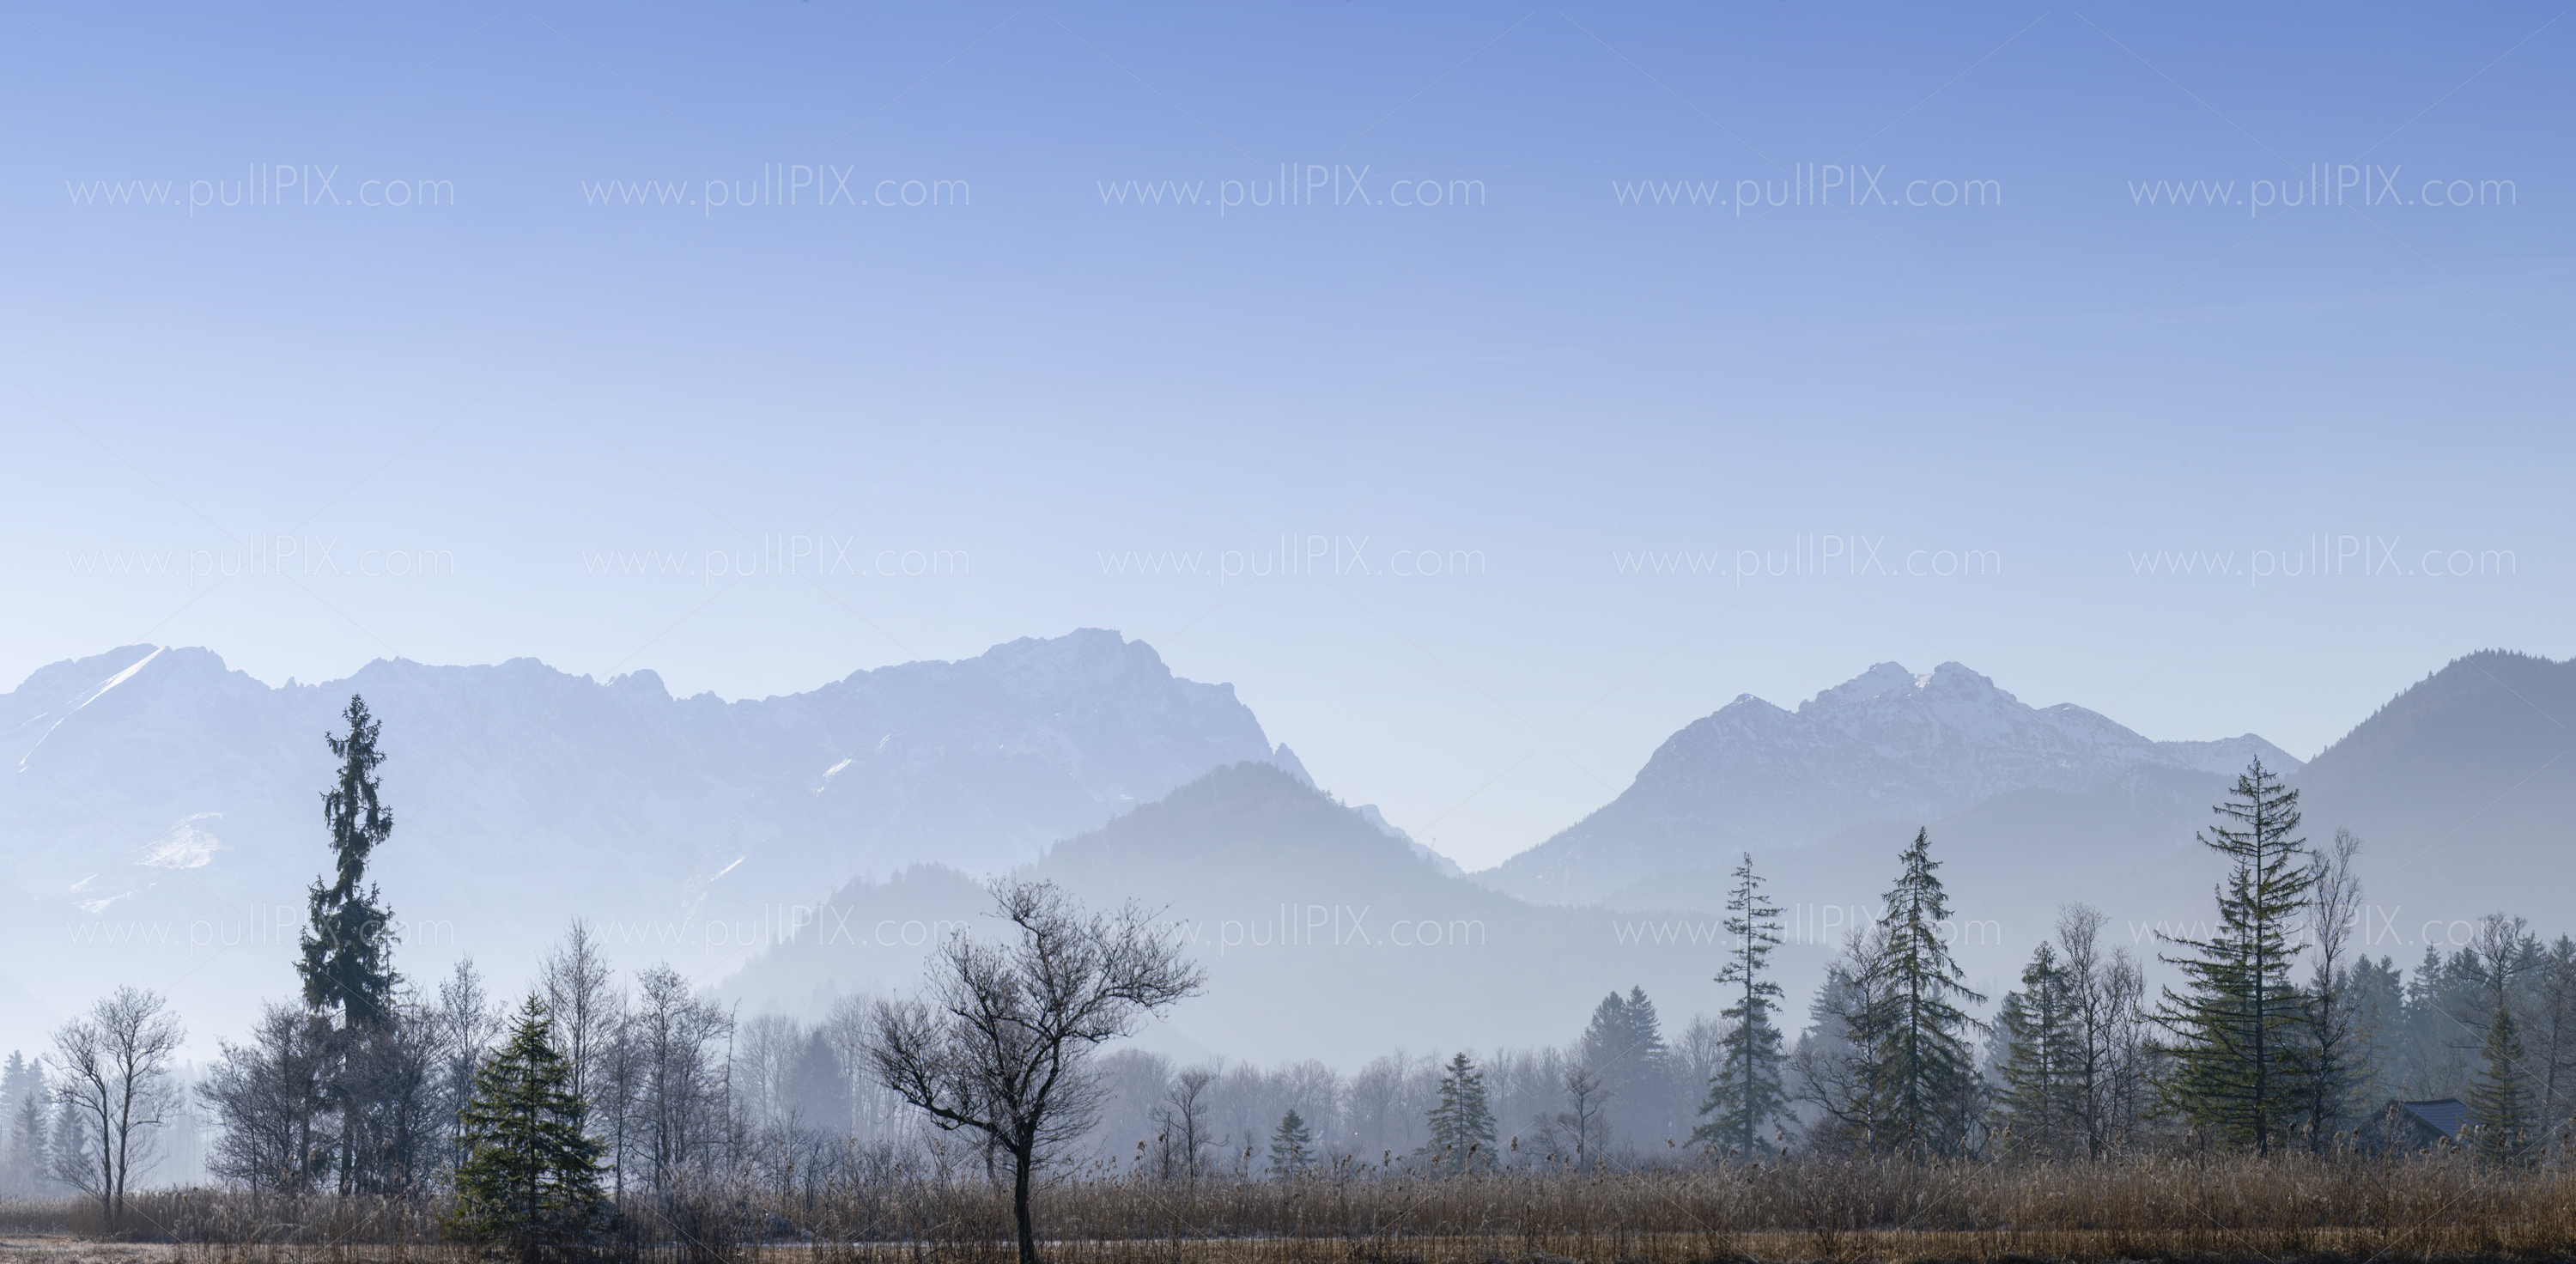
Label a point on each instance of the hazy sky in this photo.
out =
(444, 289)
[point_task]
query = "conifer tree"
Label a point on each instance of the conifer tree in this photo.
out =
(22, 1111)
(2041, 1093)
(530, 1180)
(26, 1157)
(2237, 1027)
(68, 1157)
(344, 964)
(2438, 1001)
(1462, 1124)
(1292, 1146)
(1745, 1092)
(2500, 1101)
(20, 1077)
(1654, 1108)
(347, 974)
(1624, 1046)
(1928, 1072)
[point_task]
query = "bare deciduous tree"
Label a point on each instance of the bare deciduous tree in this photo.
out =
(1000, 1042)
(112, 1071)
(269, 1097)
(466, 1024)
(676, 1047)
(1837, 1066)
(392, 1128)
(2134, 1062)
(1587, 1123)
(1182, 1117)
(581, 997)
(2335, 1065)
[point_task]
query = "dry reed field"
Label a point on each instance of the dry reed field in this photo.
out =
(2167, 1208)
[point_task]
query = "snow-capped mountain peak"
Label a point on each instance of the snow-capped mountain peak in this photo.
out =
(128, 763)
(1878, 681)
(1887, 745)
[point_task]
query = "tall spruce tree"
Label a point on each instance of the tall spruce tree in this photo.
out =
(2237, 1027)
(2500, 1102)
(1462, 1124)
(1745, 1091)
(345, 966)
(530, 1180)
(1928, 1072)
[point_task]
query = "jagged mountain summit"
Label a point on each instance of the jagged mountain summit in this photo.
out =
(978, 763)
(154, 786)
(1886, 746)
(2461, 785)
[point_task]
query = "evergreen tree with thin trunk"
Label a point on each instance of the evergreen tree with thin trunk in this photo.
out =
(1292, 1145)
(2237, 1027)
(1745, 1092)
(1462, 1124)
(348, 977)
(2042, 1096)
(1928, 1072)
(344, 965)
(2500, 1101)
(530, 1180)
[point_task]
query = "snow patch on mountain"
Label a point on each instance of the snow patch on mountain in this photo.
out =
(188, 845)
(526, 795)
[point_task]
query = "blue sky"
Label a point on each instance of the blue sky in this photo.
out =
(1589, 382)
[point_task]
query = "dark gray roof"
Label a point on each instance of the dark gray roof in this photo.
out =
(2445, 1116)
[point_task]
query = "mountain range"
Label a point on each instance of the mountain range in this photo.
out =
(2456, 785)
(157, 798)
(1887, 747)
(160, 824)
(146, 758)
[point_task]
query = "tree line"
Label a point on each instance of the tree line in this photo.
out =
(540, 1116)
